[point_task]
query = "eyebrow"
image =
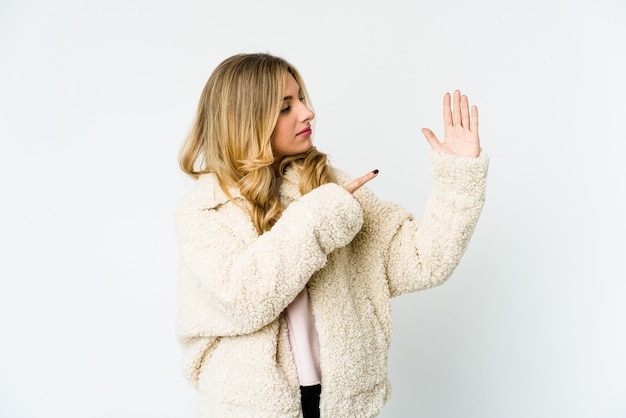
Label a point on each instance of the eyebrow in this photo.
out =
(291, 97)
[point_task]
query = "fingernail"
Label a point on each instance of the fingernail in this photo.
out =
(375, 171)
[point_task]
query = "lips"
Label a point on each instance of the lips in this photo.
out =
(306, 132)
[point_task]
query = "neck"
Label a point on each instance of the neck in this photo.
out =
(277, 182)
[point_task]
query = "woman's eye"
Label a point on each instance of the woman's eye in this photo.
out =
(288, 108)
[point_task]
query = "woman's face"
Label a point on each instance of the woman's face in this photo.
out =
(292, 134)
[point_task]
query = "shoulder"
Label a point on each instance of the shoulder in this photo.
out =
(206, 202)
(206, 194)
(206, 212)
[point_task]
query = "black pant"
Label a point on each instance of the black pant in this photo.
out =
(310, 396)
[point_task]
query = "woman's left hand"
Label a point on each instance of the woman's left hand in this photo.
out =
(460, 135)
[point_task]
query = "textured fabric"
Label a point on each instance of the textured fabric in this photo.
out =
(303, 339)
(355, 252)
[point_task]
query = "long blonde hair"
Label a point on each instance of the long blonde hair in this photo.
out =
(231, 135)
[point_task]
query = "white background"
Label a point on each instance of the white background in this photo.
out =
(96, 97)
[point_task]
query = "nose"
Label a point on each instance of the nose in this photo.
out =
(306, 114)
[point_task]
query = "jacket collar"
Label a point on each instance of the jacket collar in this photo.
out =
(210, 195)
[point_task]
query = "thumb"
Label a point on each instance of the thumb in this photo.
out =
(431, 138)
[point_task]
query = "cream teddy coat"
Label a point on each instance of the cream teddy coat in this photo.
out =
(353, 252)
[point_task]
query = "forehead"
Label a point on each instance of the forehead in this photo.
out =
(291, 86)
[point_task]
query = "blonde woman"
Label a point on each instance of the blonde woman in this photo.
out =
(287, 265)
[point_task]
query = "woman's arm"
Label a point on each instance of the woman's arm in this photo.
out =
(234, 282)
(424, 254)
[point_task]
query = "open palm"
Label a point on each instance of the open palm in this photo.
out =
(460, 135)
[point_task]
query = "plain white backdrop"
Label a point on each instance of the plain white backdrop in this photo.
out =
(96, 97)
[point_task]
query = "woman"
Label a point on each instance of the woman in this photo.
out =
(287, 265)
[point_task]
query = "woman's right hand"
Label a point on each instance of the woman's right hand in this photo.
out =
(356, 184)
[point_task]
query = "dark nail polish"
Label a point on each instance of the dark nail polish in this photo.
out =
(375, 171)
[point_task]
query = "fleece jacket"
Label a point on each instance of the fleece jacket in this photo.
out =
(353, 252)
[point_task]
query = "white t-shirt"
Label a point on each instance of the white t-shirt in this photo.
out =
(303, 339)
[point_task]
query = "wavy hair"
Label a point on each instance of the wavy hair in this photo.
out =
(231, 135)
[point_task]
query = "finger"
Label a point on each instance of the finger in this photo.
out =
(456, 115)
(356, 184)
(447, 111)
(431, 138)
(465, 112)
(474, 122)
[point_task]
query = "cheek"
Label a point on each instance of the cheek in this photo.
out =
(281, 134)
(277, 143)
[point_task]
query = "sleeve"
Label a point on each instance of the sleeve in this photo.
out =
(423, 254)
(234, 282)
